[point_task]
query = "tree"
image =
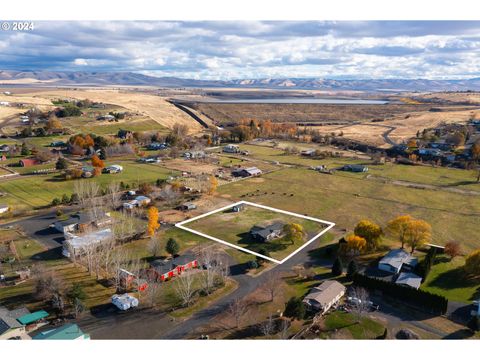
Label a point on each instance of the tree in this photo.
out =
(25, 149)
(76, 292)
(96, 162)
(398, 227)
(355, 244)
(272, 284)
(472, 263)
(418, 233)
(361, 302)
(352, 269)
(295, 308)
(237, 309)
(154, 246)
(337, 268)
(184, 288)
(46, 285)
(213, 182)
(114, 195)
(53, 122)
(293, 232)
(172, 247)
(153, 225)
(61, 164)
(452, 249)
(370, 231)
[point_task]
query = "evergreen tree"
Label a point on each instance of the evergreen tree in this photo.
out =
(172, 247)
(103, 154)
(352, 269)
(295, 308)
(61, 164)
(337, 268)
(25, 150)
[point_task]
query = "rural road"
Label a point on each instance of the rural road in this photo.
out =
(246, 285)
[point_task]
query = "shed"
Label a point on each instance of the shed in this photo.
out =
(65, 332)
(33, 317)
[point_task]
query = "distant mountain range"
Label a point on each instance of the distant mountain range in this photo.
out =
(65, 78)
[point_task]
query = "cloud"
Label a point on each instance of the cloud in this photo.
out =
(250, 49)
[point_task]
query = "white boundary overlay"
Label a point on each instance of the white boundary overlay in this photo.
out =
(181, 224)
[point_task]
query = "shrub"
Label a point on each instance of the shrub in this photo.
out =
(56, 201)
(337, 267)
(295, 308)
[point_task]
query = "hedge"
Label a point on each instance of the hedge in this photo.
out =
(432, 303)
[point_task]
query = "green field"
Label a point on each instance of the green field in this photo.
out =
(39, 190)
(448, 278)
(235, 227)
(347, 199)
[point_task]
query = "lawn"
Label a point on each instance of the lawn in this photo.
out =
(447, 278)
(345, 200)
(235, 229)
(347, 326)
(39, 190)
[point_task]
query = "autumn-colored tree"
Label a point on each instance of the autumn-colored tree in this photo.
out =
(355, 244)
(472, 263)
(475, 150)
(176, 185)
(412, 143)
(97, 162)
(370, 231)
(398, 227)
(97, 171)
(452, 249)
(293, 232)
(153, 225)
(53, 122)
(89, 141)
(213, 184)
(418, 233)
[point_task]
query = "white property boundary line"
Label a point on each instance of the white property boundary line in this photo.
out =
(181, 224)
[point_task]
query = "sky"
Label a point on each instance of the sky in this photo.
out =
(250, 49)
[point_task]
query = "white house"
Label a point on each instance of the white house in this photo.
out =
(321, 298)
(3, 208)
(395, 260)
(4, 103)
(113, 169)
(232, 149)
(77, 243)
(409, 279)
(137, 202)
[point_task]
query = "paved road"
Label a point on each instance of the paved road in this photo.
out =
(246, 285)
(37, 227)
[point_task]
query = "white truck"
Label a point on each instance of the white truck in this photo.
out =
(124, 301)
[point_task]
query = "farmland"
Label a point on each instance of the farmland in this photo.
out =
(39, 190)
(235, 227)
(346, 199)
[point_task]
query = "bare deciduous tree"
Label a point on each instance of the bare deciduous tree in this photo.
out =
(272, 284)
(237, 309)
(169, 195)
(114, 195)
(154, 246)
(268, 327)
(360, 303)
(184, 288)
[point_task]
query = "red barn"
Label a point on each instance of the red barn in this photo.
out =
(28, 162)
(163, 270)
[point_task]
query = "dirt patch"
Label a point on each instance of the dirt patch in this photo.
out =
(256, 180)
(171, 216)
(190, 166)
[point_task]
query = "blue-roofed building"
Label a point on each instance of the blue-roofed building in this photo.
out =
(65, 332)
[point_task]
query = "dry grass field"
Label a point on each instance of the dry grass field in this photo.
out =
(152, 106)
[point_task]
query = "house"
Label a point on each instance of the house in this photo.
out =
(430, 152)
(354, 168)
(187, 206)
(58, 144)
(76, 244)
(238, 208)
(4, 103)
(127, 279)
(232, 149)
(4, 148)
(157, 146)
(139, 201)
(267, 233)
(28, 162)
(308, 152)
(409, 279)
(3, 208)
(65, 332)
(395, 260)
(113, 169)
(163, 270)
(194, 155)
(149, 159)
(10, 327)
(246, 172)
(321, 298)
(107, 117)
(82, 220)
